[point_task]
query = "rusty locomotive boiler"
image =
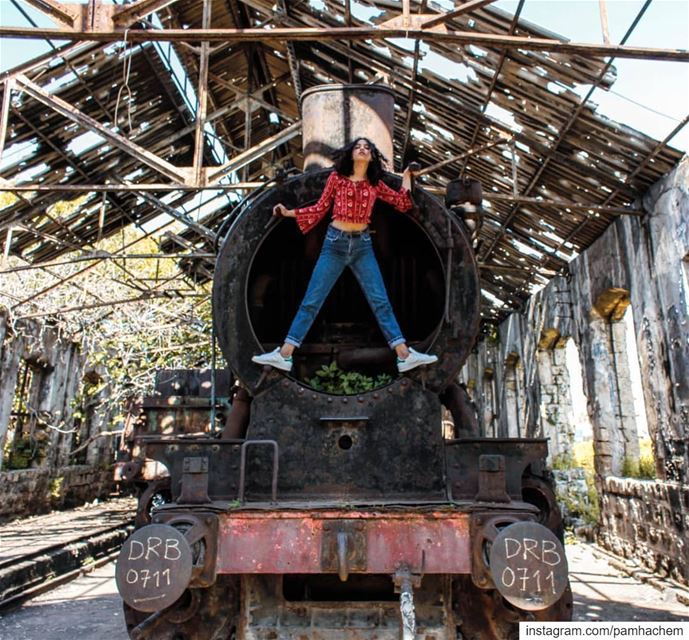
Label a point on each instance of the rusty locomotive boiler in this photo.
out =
(323, 515)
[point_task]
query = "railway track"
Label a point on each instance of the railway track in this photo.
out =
(39, 553)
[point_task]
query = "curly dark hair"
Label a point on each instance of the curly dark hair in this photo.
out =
(344, 164)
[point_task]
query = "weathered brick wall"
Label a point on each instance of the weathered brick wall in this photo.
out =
(648, 521)
(31, 491)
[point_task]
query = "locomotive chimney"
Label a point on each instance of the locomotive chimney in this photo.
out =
(334, 115)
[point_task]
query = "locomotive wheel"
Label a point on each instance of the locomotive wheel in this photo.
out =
(200, 614)
(486, 615)
(539, 492)
(156, 493)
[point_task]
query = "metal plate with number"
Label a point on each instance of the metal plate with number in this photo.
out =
(528, 566)
(154, 567)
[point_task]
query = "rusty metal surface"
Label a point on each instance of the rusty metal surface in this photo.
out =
(463, 463)
(382, 444)
(486, 615)
(200, 614)
(222, 459)
(306, 542)
(153, 568)
(264, 265)
(351, 111)
(529, 566)
(331, 610)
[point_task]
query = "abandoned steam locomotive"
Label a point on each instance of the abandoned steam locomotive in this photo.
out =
(323, 515)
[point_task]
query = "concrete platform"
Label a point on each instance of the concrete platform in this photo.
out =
(39, 552)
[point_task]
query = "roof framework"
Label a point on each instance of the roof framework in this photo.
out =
(110, 118)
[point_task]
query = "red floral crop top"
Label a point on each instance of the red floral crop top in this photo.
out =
(353, 201)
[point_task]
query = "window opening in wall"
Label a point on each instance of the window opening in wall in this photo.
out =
(644, 467)
(25, 445)
(685, 282)
(83, 417)
(513, 372)
(489, 411)
(579, 486)
(583, 430)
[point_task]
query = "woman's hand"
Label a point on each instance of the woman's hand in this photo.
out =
(282, 210)
(411, 170)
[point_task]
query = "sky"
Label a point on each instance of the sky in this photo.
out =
(651, 96)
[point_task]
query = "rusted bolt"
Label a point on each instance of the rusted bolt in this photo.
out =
(314, 396)
(375, 396)
(344, 400)
(360, 399)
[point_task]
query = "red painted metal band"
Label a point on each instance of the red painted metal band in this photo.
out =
(291, 542)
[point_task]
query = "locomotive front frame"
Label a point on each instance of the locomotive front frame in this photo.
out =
(361, 490)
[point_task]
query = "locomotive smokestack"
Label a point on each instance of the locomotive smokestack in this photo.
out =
(334, 115)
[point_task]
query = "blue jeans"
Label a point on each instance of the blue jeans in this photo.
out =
(342, 249)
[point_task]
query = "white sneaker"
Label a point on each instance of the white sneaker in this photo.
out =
(415, 359)
(274, 359)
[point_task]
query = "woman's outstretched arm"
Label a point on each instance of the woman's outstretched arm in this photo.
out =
(309, 217)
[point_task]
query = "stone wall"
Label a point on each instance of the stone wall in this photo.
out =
(54, 454)
(641, 265)
(31, 491)
(648, 521)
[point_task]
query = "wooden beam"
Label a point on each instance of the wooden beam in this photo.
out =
(562, 204)
(73, 114)
(466, 7)
(128, 14)
(320, 34)
(545, 202)
(470, 152)
(58, 11)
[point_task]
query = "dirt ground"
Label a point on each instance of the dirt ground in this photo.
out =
(90, 609)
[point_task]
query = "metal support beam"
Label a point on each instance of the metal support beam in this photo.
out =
(561, 136)
(5, 113)
(319, 34)
(58, 11)
(73, 114)
(248, 156)
(149, 295)
(100, 256)
(604, 21)
(202, 95)
(123, 187)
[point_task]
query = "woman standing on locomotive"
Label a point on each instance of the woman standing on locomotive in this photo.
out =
(353, 186)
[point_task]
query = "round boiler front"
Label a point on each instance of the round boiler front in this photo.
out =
(265, 264)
